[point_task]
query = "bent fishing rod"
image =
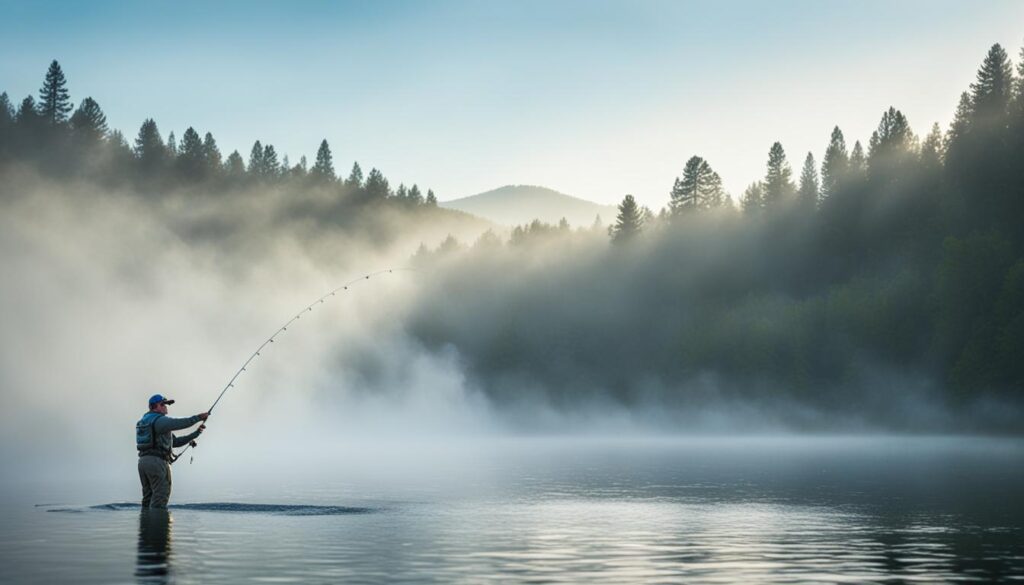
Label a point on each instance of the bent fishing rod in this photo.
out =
(307, 309)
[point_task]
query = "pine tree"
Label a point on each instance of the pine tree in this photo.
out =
(255, 167)
(211, 154)
(28, 118)
(893, 136)
(6, 123)
(415, 197)
(836, 163)
(858, 164)
(118, 147)
(960, 127)
(54, 101)
(191, 157)
(778, 182)
(401, 193)
(355, 178)
(149, 146)
(700, 187)
(323, 168)
(991, 92)
(431, 198)
(808, 192)
(234, 167)
(753, 198)
(271, 168)
(1018, 98)
(172, 145)
(628, 223)
(377, 188)
(88, 123)
(931, 148)
(6, 111)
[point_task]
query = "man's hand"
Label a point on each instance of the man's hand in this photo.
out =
(203, 415)
(201, 429)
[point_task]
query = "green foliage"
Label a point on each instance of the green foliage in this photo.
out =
(836, 164)
(809, 190)
(149, 147)
(700, 187)
(628, 223)
(54, 100)
(778, 182)
(993, 88)
(323, 168)
(376, 187)
(89, 123)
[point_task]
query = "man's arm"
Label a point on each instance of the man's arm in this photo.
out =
(165, 424)
(182, 441)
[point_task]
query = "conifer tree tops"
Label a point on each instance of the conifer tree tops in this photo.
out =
(54, 100)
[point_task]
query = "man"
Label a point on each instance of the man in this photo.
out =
(154, 441)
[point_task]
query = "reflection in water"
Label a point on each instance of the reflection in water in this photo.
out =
(153, 564)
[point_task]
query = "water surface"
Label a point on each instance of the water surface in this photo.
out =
(766, 510)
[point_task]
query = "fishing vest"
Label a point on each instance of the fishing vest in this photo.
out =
(147, 441)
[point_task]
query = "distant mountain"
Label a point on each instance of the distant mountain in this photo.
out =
(520, 204)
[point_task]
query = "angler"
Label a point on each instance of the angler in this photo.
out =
(155, 442)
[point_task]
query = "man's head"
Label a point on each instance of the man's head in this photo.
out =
(158, 403)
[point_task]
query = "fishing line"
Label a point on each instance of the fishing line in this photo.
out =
(307, 309)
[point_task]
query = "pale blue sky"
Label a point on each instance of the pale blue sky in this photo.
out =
(593, 98)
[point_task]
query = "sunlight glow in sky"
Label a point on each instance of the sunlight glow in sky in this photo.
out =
(592, 98)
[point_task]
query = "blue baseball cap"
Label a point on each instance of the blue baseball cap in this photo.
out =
(157, 398)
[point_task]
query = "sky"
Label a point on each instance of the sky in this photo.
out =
(593, 98)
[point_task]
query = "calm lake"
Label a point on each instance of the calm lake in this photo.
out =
(548, 510)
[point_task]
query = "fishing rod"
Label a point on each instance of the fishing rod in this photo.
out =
(280, 330)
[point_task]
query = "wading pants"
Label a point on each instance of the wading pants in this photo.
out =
(155, 475)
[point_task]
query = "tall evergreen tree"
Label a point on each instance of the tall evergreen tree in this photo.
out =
(355, 178)
(6, 123)
(401, 193)
(211, 154)
(753, 198)
(778, 182)
(893, 138)
(961, 124)
(858, 164)
(809, 190)
(89, 123)
(6, 111)
(700, 187)
(149, 146)
(28, 118)
(431, 200)
(191, 160)
(255, 167)
(931, 148)
(323, 168)
(991, 92)
(172, 145)
(415, 197)
(54, 101)
(271, 166)
(628, 223)
(377, 188)
(121, 152)
(836, 163)
(234, 167)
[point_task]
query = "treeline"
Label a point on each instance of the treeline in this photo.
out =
(906, 256)
(66, 142)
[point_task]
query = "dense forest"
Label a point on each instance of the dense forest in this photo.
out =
(883, 286)
(886, 288)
